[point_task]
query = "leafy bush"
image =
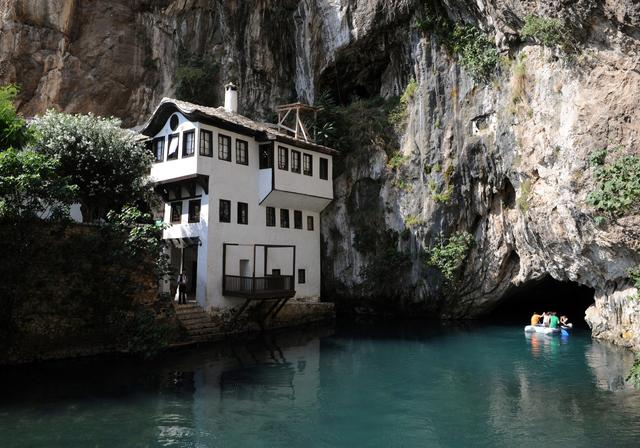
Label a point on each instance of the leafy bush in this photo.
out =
(442, 196)
(634, 276)
(402, 184)
(634, 374)
(448, 256)
(413, 221)
(547, 32)
(31, 187)
(399, 114)
(105, 161)
(14, 132)
(476, 53)
(142, 237)
(396, 161)
(617, 183)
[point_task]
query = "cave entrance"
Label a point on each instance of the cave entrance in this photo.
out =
(546, 294)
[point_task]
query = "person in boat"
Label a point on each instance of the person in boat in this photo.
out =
(545, 318)
(553, 320)
(564, 322)
(535, 319)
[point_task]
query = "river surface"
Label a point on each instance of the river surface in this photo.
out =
(378, 385)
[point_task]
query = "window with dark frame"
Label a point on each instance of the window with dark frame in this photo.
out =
(271, 216)
(307, 165)
(242, 152)
(194, 211)
(176, 212)
(309, 222)
(266, 157)
(324, 168)
(224, 147)
(283, 158)
(206, 143)
(172, 152)
(225, 210)
(295, 161)
(284, 218)
(243, 213)
(297, 219)
(158, 149)
(302, 276)
(188, 143)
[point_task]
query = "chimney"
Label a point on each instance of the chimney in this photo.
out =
(231, 98)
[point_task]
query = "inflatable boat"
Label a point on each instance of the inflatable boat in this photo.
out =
(564, 330)
(539, 329)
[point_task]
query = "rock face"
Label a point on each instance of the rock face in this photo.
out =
(506, 160)
(121, 57)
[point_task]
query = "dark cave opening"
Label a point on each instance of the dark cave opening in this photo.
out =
(547, 294)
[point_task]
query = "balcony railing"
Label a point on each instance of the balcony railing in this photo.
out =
(270, 287)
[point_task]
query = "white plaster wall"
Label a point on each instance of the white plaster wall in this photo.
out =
(299, 182)
(172, 169)
(265, 177)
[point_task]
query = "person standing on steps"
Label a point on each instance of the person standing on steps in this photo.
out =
(182, 288)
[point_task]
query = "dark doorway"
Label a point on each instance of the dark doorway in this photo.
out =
(546, 294)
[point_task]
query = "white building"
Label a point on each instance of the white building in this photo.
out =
(243, 202)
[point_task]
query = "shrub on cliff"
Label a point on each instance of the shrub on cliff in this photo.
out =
(548, 32)
(105, 161)
(356, 129)
(617, 190)
(476, 53)
(448, 255)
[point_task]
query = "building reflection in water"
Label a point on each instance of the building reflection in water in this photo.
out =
(251, 381)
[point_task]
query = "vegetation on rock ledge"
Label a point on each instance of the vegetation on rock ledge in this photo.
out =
(617, 189)
(548, 32)
(476, 53)
(448, 256)
(634, 374)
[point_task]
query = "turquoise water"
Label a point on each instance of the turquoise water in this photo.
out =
(391, 385)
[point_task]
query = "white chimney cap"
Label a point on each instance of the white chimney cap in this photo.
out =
(231, 98)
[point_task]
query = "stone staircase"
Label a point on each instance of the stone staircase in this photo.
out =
(199, 325)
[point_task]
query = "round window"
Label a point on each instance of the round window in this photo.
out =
(173, 123)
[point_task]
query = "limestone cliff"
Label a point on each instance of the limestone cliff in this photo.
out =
(505, 158)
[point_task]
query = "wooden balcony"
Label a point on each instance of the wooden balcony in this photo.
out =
(269, 287)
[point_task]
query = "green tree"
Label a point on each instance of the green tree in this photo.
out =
(105, 161)
(14, 132)
(30, 187)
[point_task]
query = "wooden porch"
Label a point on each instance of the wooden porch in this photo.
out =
(269, 287)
